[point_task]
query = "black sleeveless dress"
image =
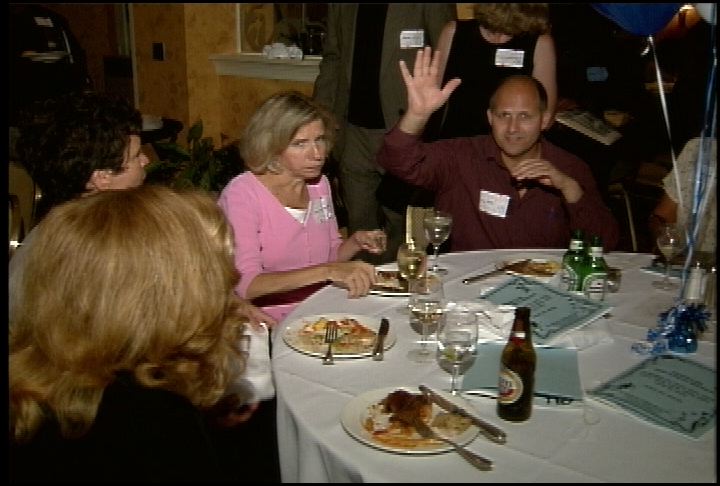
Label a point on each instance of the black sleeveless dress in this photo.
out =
(473, 60)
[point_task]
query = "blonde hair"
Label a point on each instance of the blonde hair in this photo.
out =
(273, 126)
(139, 280)
(513, 18)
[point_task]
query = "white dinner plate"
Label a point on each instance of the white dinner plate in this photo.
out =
(318, 347)
(357, 410)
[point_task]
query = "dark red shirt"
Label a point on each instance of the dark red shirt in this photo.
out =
(459, 169)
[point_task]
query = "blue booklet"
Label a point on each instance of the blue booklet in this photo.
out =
(668, 391)
(552, 311)
(557, 380)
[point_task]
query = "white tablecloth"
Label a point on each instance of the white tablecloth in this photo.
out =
(594, 443)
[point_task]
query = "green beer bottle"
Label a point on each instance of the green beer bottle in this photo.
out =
(594, 271)
(572, 262)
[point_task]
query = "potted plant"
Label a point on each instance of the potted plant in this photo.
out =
(200, 165)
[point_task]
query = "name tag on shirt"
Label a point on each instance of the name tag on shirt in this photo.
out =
(322, 209)
(412, 39)
(494, 204)
(509, 58)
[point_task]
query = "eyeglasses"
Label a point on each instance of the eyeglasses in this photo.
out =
(320, 144)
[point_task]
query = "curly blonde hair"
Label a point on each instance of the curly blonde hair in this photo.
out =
(137, 281)
(273, 126)
(513, 18)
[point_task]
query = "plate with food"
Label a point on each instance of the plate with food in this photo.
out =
(539, 268)
(356, 335)
(389, 283)
(379, 418)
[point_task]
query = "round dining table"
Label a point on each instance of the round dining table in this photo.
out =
(594, 442)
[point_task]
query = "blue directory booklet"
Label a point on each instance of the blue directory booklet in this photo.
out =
(552, 311)
(668, 391)
(557, 380)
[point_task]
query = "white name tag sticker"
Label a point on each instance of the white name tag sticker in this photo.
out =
(412, 39)
(509, 58)
(494, 204)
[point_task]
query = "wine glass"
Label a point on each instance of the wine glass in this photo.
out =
(437, 226)
(456, 341)
(427, 303)
(669, 242)
(411, 262)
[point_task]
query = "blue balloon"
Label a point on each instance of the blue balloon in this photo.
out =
(639, 18)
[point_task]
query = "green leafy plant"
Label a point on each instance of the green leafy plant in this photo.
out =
(200, 165)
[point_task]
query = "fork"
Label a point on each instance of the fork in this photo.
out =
(480, 462)
(331, 331)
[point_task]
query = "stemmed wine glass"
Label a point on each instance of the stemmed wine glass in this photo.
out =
(427, 303)
(457, 341)
(669, 242)
(437, 226)
(411, 262)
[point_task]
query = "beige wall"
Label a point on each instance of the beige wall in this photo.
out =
(184, 86)
(162, 86)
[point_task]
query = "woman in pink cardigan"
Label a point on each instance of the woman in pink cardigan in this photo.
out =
(287, 243)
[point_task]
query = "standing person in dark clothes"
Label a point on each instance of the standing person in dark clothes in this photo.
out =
(360, 83)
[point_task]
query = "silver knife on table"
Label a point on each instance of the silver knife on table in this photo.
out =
(379, 348)
(499, 269)
(487, 429)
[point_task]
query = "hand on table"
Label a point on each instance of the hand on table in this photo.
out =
(354, 275)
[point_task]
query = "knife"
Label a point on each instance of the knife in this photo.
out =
(489, 430)
(499, 268)
(378, 351)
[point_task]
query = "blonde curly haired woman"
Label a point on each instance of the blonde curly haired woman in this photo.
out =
(125, 332)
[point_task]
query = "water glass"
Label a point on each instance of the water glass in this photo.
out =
(426, 303)
(457, 341)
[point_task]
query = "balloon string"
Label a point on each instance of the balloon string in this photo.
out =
(705, 170)
(663, 103)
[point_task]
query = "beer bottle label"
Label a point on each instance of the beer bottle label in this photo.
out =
(510, 386)
(594, 286)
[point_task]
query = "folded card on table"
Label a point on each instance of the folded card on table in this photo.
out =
(668, 391)
(553, 312)
(557, 379)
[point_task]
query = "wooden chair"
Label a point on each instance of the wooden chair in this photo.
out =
(24, 197)
(16, 225)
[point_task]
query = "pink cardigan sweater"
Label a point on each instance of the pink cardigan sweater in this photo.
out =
(269, 239)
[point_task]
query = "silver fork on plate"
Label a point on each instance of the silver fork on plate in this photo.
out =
(331, 332)
(480, 462)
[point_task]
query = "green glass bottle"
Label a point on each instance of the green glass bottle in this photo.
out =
(572, 262)
(594, 271)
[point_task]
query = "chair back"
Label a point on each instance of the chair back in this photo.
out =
(16, 226)
(24, 196)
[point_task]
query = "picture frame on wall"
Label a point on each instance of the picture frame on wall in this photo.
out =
(256, 26)
(261, 24)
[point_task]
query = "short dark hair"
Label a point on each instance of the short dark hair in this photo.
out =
(539, 88)
(65, 139)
